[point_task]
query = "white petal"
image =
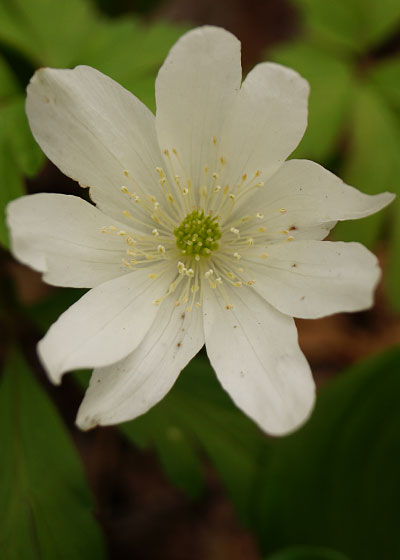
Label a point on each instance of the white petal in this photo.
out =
(313, 199)
(105, 325)
(93, 129)
(194, 90)
(60, 235)
(129, 388)
(312, 279)
(254, 351)
(269, 118)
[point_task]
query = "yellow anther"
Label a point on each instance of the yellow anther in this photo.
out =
(214, 140)
(290, 238)
(126, 173)
(124, 189)
(250, 242)
(282, 210)
(261, 229)
(259, 216)
(161, 249)
(251, 282)
(155, 232)
(151, 276)
(237, 256)
(237, 284)
(226, 189)
(264, 256)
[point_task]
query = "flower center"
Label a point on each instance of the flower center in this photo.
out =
(198, 234)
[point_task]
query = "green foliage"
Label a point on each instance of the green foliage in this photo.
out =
(45, 502)
(350, 24)
(334, 483)
(198, 415)
(354, 118)
(19, 155)
(61, 34)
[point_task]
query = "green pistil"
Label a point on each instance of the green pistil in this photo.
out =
(198, 234)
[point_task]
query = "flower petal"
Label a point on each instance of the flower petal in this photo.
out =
(312, 199)
(93, 129)
(129, 388)
(194, 90)
(312, 279)
(105, 325)
(60, 235)
(269, 118)
(254, 351)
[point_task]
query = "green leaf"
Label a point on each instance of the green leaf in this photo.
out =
(46, 504)
(307, 553)
(331, 93)
(130, 52)
(351, 24)
(334, 483)
(373, 163)
(47, 32)
(197, 413)
(386, 77)
(14, 129)
(11, 185)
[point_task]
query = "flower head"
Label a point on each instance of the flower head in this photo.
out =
(201, 232)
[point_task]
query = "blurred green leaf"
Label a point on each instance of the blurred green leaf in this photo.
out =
(373, 163)
(334, 483)
(351, 24)
(19, 153)
(197, 413)
(331, 94)
(307, 553)
(130, 52)
(46, 504)
(11, 185)
(46, 32)
(386, 76)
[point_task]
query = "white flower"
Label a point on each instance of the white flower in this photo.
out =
(201, 232)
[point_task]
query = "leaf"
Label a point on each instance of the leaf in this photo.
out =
(19, 153)
(386, 77)
(355, 25)
(130, 52)
(331, 93)
(372, 164)
(334, 483)
(307, 553)
(46, 32)
(199, 414)
(46, 504)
